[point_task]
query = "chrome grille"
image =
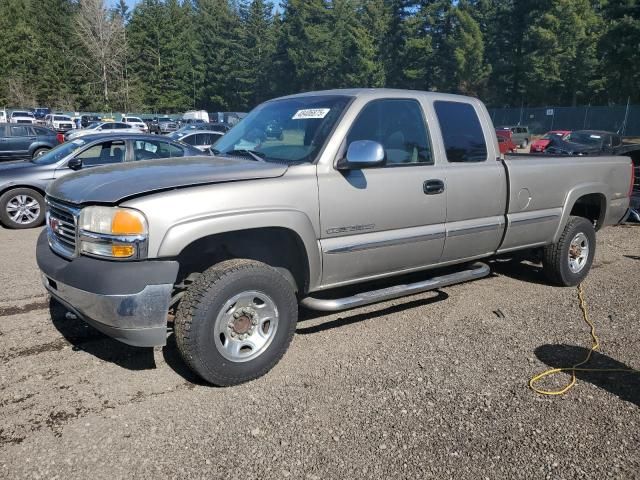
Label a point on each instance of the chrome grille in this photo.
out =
(62, 221)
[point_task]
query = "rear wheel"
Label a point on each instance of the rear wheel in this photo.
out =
(39, 152)
(236, 321)
(21, 208)
(567, 262)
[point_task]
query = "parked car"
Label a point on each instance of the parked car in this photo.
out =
(163, 125)
(274, 130)
(195, 116)
(22, 116)
(210, 127)
(86, 120)
(59, 123)
(519, 135)
(23, 184)
(25, 141)
(3, 116)
(135, 122)
(585, 142)
(41, 112)
(102, 127)
(541, 144)
(505, 144)
(200, 139)
(360, 188)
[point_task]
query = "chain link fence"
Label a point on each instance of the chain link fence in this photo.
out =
(622, 119)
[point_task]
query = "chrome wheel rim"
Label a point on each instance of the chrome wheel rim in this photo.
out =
(41, 153)
(578, 252)
(23, 209)
(246, 326)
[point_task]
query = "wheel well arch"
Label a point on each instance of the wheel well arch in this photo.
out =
(279, 247)
(592, 206)
(16, 186)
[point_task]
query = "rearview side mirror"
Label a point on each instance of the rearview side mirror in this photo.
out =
(75, 164)
(363, 154)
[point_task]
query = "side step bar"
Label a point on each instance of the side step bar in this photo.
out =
(475, 271)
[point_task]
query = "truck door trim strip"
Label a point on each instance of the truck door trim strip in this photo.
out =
(386, 243)
(470, 230)
(527, 221)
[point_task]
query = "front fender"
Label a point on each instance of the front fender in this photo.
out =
(179, 236)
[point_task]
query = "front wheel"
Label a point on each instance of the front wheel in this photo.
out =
(21, 208)
(567, 262)
(236, 321)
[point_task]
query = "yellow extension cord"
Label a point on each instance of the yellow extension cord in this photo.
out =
(595, 345)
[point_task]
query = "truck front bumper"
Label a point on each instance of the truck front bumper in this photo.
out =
(128, 301)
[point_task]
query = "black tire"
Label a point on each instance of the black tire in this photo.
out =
(8, 196)
(556, 257)
(39, 151)
(204, 302)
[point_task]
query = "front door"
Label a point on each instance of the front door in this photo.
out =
(378, 221)
(20, 139)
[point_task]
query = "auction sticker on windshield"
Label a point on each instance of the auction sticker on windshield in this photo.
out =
(311, 113)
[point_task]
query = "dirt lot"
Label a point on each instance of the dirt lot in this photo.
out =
(431, 386)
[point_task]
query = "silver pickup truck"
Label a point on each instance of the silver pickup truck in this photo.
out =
(309, 193)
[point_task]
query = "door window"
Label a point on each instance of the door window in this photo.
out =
(150, 149)
(21, 131)
(461, 132)
(399, 126)
(103, 153)
(191, 140)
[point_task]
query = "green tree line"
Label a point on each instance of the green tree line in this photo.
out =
(173, 55)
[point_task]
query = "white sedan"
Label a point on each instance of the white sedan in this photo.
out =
(103, 127)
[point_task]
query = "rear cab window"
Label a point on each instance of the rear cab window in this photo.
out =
(462, 133)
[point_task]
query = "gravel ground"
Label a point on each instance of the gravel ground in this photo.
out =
(430, 386)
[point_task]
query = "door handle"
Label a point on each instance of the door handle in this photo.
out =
(433, 187)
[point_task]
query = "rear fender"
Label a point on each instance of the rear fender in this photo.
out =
(572, 197)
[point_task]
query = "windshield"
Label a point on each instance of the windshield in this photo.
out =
(585, 138)
(58, 153)
(22, 114)
(60, 118)
(290, 130)
(165, 119)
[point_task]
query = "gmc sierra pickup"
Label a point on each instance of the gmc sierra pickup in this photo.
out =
(360, 185)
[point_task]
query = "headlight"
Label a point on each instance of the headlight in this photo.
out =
(113, 232)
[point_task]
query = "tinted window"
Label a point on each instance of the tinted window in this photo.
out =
(121, 125)
(191, 140)
(398, 125)
(103, 153)
(21, 131)
(150, 149)
(461, 132)
(42, 131)
(107, 126)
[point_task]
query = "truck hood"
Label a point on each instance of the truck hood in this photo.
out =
(112, 184)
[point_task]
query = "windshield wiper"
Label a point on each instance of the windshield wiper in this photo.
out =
(257, 156)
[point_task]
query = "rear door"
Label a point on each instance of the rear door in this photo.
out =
(379, 221)
(476, 182)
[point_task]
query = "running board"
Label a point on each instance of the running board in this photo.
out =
(476, 270)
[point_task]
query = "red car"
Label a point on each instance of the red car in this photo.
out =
(542, 143)
(505, 143)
